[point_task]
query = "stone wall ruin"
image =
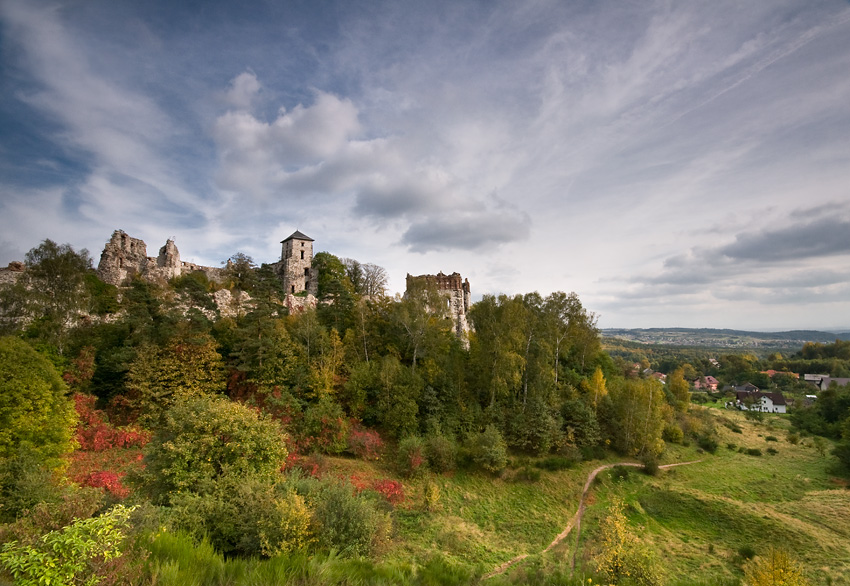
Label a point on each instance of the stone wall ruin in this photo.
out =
(455, 290)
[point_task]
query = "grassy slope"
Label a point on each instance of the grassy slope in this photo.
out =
(697, 517)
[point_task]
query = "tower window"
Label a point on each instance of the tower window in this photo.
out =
(293, 288)
(302, 255)
(306, 272)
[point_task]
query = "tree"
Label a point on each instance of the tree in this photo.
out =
(35, 411)
(51, 292)
(638, 416)
(335, 292)
(680, 389)
(777, 568)
(241, 272)
(187, 366)
(202, 439)
(374, 280)
(624, 559)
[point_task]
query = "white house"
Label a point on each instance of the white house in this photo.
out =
(759, 401)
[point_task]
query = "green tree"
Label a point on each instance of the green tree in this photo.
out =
(187, 366)
(241, 272)
(202, 439)
(638, 416)
(680, 389)
(35, 410)
(335, 292)
(51, 293)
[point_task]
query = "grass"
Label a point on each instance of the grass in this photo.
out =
(698, 518)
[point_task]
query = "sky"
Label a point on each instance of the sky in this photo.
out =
(674, 163)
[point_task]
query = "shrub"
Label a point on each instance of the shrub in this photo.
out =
(771, 438)
(650, 464)
(202, 439)
(392, 490)
(324, 427)
(528, 474)
(555, 463)
(78, 553)
(777, 568)
(746, 552)
(753, 452)
(621, 472)
(731, 446)
(733, 426)
(94, 433)
(431, 496)
(793, 438)
(440, 452)
(772, 451)
(245, 516)
(410, 457)
(347, 523)
(365, 444)
(672, 433)
(707, 443)
(488, 449)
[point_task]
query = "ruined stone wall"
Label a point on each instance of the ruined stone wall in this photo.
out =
(457, 293)
(124, 257)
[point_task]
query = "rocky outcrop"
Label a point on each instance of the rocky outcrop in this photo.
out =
(10, 274)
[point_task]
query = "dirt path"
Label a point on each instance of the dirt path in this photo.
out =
(575, 522)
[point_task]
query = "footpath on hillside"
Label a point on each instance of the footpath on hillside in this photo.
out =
(575, 522)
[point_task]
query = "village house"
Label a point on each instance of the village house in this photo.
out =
(758, 401)
(706, 383)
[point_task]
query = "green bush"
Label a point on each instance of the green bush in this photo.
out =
(245, 516)
(753, 452)
(410, 456)
(771, 438)
(772, 451)
(488, 449)
(441, 452)
(77, 554)
(555, 463)
(672, 433)
(202, 439)
(707, 443)
(346, 522)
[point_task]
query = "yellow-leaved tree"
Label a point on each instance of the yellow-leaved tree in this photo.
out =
(623, 557)
(776, 568)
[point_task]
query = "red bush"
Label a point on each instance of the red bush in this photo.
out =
(110, 481)
(365, 443)
(391, 490)
(95, 433)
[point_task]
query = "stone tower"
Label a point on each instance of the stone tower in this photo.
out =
(457, 293)
(295, 266)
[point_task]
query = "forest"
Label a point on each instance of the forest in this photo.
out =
(142, 428)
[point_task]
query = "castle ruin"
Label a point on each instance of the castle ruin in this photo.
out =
(455, 290)
(295, 266)
(124, 257)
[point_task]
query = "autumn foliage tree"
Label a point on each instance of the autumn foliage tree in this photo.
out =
(35, 410)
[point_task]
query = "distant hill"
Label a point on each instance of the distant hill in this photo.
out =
(723, 338)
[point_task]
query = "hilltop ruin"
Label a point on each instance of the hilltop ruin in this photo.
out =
(456, 291)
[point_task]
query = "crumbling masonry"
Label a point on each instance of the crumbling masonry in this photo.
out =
(456, 291)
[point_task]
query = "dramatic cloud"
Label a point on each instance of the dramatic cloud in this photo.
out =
(673, 163)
